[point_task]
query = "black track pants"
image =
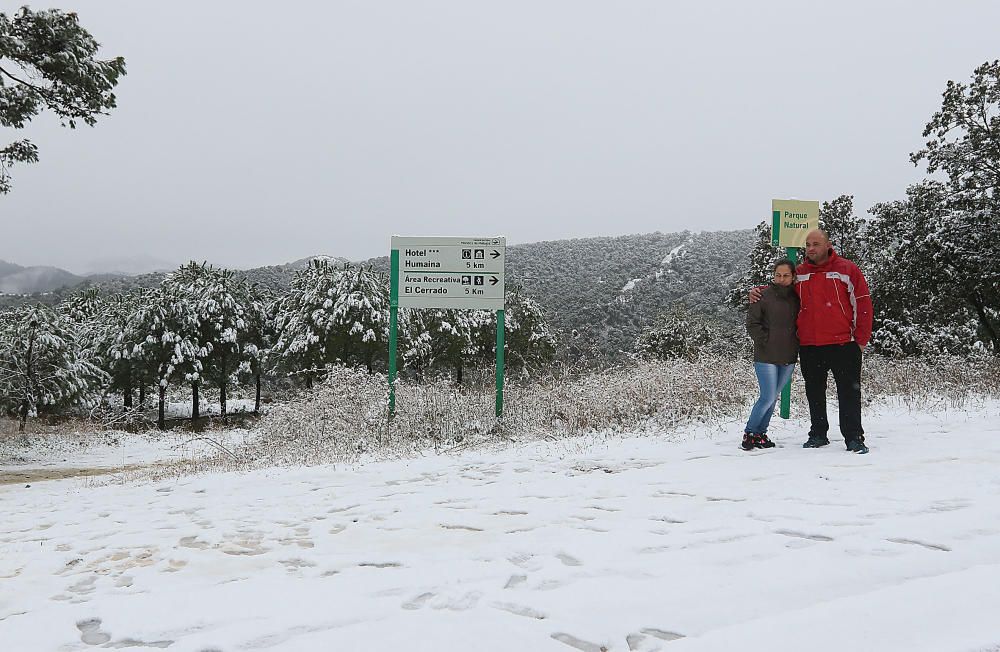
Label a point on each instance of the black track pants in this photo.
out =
(844, 360)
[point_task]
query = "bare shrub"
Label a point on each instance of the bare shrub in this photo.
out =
(346, 416)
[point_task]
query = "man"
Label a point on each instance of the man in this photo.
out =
(834, 327)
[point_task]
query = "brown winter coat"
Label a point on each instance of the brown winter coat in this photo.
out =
(771, 324)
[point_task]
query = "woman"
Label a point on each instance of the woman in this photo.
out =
(771, 324)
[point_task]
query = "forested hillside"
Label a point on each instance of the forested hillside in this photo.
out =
(604, 290)
(597, 293)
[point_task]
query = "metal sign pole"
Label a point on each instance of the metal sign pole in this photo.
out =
(393, 326)
(500, 361)
(798, 217)
(786, 391)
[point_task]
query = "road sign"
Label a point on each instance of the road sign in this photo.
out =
(792, 220)
(449, 272)
(446, 272)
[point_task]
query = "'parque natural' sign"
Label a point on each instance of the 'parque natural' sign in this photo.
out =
(792, 220)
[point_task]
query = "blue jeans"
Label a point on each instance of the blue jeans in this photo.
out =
(771, 378)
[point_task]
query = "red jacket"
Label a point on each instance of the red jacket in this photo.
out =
(835, 304)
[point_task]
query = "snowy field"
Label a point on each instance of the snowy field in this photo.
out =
(675, 543)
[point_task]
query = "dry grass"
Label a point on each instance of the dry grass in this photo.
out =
(346, 416)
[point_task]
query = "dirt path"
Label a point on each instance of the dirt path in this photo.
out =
(29, 475)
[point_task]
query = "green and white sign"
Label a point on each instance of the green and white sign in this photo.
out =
(792, 220)
(449, 272)
(446, 272)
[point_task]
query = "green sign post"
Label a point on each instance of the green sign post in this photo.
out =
(446, 272)
(791, 221)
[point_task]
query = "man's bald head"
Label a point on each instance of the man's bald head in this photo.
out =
(817, 246)
(818, 233)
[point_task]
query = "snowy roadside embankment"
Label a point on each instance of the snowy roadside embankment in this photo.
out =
(622, 542)
(111, 453)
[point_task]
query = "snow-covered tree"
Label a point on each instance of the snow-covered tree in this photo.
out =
(306, 323)
(48, 63)
(441, 338)
(678, 333)
(936, 276)
(221, 305)
(361, 316)
(761, 261)
(845, 229)
(120, 345)
(260, 337)
(42, 366)
(528, 342)
(189, 314)
(964, 140)
(934, 280)
(87, 311)
(169, 348)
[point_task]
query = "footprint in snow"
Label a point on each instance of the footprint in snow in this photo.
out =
(803, 535)
(579, 643)
(467, 528)
(515, 580)
(90, 632)
(418, 602)
(519, 610)
(649, 639)
(922, 544)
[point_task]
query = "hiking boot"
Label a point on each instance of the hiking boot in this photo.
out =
(764, 442)
(815, 442)
(857, 446)
(749, 442)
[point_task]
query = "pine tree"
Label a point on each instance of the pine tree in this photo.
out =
(189, 317)
(937, 280)
(121, 345)
(87, 311)
(42, 366)
(448, 337)
(306, 324)
(964, 140)
(678, 333)
(845, 229)
(528, 342)
(48, 62)
(934, 282)
(361, 316)
(762, 257)
(224, 323)
(260, 337)
(168, 351)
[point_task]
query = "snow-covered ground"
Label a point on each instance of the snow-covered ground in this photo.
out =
(677, 543)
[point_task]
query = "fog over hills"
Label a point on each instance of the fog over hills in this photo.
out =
(27, 280)
(131, 265)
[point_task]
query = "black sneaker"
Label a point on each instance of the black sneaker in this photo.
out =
(857, 446)
(749, 442)
(764, 442)
(815, 442)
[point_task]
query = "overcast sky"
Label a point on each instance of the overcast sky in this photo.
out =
(252, 133)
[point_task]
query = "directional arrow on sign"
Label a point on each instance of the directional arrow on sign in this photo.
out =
(494, 254)
(493, 280)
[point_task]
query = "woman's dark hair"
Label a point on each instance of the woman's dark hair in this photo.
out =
(783, 261)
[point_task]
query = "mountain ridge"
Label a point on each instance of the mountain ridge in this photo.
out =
(602, 290)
